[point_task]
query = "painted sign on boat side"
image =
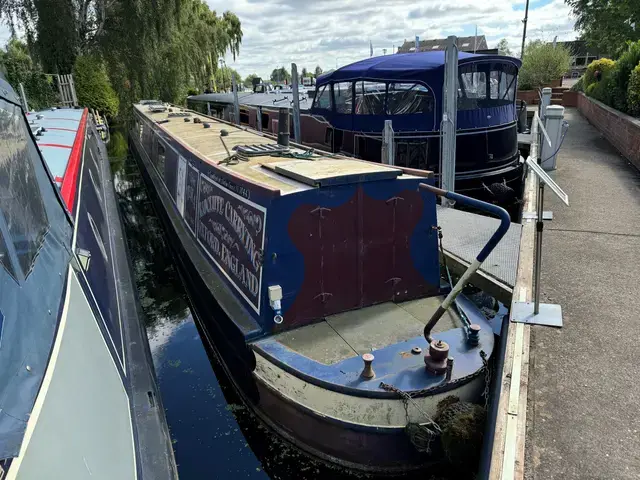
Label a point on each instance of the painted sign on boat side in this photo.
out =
(231, 231)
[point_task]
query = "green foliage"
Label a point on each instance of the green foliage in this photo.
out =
(223, 78)
(600, 90)
(151, 48)
(19, 67)
(248, 81)
(604, 65)
(607, 24)
(280, 75)
(579, 85)
(93, 87)
(503, 47)
(633, 92)
(318, 71)
(542, 63)
(619, 81)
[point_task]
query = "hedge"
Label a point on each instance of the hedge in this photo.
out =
(619, 81)
(599, 89)
(93, 87)
(633, 92)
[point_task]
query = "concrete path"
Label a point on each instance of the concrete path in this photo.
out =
(583, 419)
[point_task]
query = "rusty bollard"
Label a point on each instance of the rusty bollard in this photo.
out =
(436, 358)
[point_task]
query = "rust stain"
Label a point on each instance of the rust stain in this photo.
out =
(405, 354)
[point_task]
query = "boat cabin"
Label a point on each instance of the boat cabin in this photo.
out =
(408, 88)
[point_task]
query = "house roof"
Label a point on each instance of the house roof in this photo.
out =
(465, 44)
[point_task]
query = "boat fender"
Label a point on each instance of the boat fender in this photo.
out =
(275, 297)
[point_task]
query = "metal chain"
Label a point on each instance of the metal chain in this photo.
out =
(406, 399)
(487, 378)
(421, 434)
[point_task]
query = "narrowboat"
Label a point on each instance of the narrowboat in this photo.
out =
(78, 396)
(347, 112)
(317, 278)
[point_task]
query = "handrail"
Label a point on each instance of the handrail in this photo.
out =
(505, 221)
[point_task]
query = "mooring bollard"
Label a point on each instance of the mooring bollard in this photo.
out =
(545, 102)
(553, 126)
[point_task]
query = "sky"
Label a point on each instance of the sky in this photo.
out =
(332, 33)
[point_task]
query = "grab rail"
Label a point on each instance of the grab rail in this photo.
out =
(505, 221)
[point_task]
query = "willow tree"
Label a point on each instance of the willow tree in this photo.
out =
(153, 48)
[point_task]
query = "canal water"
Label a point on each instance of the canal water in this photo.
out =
(214, 435)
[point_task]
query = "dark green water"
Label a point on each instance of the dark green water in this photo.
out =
(214, 435)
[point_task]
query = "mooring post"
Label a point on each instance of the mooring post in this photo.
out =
(283, 127)
(236, 103)
(259, 118)
(545, 102)
(208, 109)
(449, 119)
(553, 125)
(296, 103)
(388, 153)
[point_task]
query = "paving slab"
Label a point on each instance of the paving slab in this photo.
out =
(584, 379)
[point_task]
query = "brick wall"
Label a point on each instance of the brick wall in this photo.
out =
(622, 131)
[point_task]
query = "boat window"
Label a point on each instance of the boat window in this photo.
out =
(161, 158)
(406, 98)
(503, 84)
(472, 88)
(323, 98)
(20, 198)
(370, 98)
(343, 97)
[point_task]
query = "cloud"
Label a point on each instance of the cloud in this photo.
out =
(337, 32)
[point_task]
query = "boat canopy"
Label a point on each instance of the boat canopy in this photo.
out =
(407, 89)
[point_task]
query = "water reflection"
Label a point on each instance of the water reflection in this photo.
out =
(214, 435)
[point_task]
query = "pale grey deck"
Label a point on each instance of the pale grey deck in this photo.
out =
(464, 235)
(356, 332)
(83, 427)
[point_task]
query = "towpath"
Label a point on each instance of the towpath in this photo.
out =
(583, 418)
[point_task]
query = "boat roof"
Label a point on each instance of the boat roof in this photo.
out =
(267, 100)
(404, 66)
(282, 173)
(56, 130)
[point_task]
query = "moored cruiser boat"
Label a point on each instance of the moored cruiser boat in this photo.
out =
(346, 115)
(78, 394)
(317, 279)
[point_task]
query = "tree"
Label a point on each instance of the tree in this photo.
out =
(607, 24)
(248, 81)
(93, 87)
(304, 72)
(151, 48)
(21, 68)
(223, 78)
(503, 47)
(543, 62)
(318, 71)
(280, 75)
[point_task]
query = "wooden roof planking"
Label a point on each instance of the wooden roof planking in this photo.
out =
(282, 173)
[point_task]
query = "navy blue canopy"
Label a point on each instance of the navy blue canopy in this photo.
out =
(422, 66)
(486, 95)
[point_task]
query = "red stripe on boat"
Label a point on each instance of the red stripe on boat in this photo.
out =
(70, 178)
(56, 145)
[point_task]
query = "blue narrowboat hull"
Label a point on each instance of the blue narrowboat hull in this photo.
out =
(362, 446)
